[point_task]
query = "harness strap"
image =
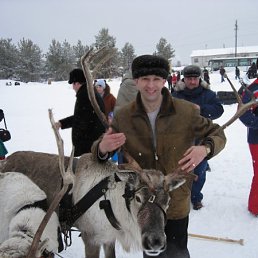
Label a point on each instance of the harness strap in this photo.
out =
(106, 205)
(38, 204)
(88, 200)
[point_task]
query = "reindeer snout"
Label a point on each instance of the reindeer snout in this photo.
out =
(153, 244)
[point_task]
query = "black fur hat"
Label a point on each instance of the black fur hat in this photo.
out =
(192, 71)
(150, 65)
(76, 75)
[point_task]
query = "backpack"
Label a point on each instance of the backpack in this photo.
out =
(4, 133)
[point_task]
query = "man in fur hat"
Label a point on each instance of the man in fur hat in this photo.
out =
(192, 88)
(85, 124)
(160, 133)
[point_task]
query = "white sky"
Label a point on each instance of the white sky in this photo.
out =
(186, 24)
(225, 192)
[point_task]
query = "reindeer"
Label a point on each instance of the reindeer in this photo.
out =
(139, 200)
(22, 208)
(135, 200)
(140, 213)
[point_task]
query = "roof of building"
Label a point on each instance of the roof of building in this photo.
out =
(224, 51)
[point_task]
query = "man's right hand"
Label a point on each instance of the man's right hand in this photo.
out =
(111, 141)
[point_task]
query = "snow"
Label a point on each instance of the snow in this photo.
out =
(226, 191)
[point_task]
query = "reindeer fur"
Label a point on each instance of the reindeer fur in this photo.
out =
(17, 229)
(96, 229)
(41, 168)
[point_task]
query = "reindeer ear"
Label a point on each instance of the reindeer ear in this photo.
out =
(174, 184)
(127, 176)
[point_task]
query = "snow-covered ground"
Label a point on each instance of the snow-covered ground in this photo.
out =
(226, 190)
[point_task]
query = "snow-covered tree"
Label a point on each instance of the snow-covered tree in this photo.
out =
(164, 49)
(110, 68)
(60, 60)
(79, 51)
(127, 56)
(29, 66)
(8, 59)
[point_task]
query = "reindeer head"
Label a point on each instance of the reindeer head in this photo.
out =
(147, 199)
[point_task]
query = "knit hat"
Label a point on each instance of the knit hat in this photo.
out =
(150, 65)
(76, 75)
(101, 83)
(192, 71)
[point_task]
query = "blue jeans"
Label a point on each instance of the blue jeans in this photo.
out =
(200, 171)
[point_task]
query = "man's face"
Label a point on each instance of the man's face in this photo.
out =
(76, 86)
(150, 87)
(191, 82)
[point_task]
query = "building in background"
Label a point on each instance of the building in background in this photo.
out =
(214, 58)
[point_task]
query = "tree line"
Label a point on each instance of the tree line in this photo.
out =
(26, 61)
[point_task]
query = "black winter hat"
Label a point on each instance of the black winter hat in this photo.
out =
(150, 65)
(192, 71)
(77, 75)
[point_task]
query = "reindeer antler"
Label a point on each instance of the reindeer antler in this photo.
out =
(68, 178)
(102, 56)
(242, 108)
(134, 165)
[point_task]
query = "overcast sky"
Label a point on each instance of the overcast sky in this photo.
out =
(186, 24)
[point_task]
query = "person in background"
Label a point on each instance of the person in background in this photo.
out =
(169, 80)
(250, 120)
(3, 150)
(192, 88)
(178, 76)
(174, 81)
(237, 73)
(252, 71)
(85, 124)
(206, 76)
(104, 91)
(127, 91)
(159, 132)
(126, 94)
(222, 72)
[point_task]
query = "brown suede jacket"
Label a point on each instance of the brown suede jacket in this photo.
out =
(178, 125)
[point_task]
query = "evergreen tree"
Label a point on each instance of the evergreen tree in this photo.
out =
(8, 59)
(165, 49)
(60, 60)
(127, 56)
(79, 51)
(29, 61)
(110, 68)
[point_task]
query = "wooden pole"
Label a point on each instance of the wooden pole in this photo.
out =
(240, 241)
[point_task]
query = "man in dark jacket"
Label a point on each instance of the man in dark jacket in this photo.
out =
(85, 124)
(206, 76)
(222, 72)
(192, 88)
